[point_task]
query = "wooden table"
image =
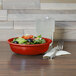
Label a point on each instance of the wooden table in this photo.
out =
(17, 65)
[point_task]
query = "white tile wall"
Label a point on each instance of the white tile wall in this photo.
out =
(6, 25)
(58, 6)
(15, 14)
(65, 34)
(65, 25)
(21, 4)
(24, 25)
(3, 14)
(57, 17)
(6, 34)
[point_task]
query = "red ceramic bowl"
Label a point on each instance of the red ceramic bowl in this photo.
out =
(33, 49)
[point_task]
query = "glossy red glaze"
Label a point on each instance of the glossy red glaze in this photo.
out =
(33, 49)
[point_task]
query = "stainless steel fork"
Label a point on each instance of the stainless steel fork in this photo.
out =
(60, 44)
(59, 47)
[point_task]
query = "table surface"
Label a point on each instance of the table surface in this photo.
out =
(19, 65)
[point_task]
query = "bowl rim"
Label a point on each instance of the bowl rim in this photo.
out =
(48, 42)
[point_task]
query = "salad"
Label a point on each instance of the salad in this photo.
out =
(29, 39)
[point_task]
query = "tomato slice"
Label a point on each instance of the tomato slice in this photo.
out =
(27, 37)
(30, 36)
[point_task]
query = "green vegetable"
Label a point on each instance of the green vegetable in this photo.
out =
(14, 39)
(21, 40)
(39, 36)
(43, 41)
(31, 43)
(38, 41)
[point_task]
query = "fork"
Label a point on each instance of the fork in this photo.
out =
(59, 47)
(60, 44)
